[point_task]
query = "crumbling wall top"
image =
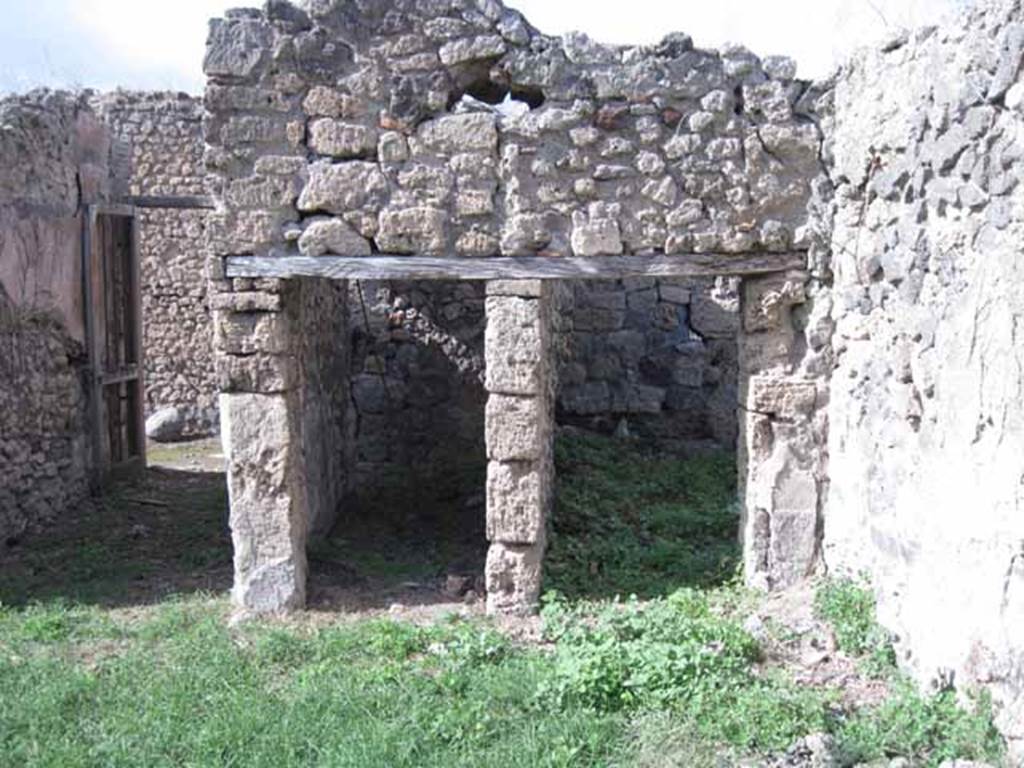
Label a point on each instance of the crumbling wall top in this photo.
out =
(451, 127)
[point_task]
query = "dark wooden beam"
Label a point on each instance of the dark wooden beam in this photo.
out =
(187, 202)
(514, 267)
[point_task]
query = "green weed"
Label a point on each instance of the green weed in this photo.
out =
(627, 522)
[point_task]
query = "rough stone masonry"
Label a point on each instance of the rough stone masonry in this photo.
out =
(55, 157)
(357, 129)
(879, 383)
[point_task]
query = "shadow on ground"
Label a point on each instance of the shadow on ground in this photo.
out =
(166, 534)
(142, 541)
(626, 522)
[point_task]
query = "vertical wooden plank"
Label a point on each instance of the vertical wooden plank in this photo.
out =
(135, 288)
(94, 416)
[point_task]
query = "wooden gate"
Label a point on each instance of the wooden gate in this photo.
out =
(113, 330)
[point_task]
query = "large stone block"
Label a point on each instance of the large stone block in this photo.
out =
(600, 237)
(343, 188)
(516, 345)
(245, 333)
(518, 496)
(266, 489)
(256, 373)
(513, 578)
(517, 428)
(419, 230)
(325, 235)
(453, 134)
(343, 140)
(235, 48)
(768, 299)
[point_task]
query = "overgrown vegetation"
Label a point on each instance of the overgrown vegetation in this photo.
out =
(927, 729)
(675, 654)
(665, 679)
(850, 608)
(630, 522)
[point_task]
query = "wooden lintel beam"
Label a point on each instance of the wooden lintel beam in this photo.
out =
(514, 267)
(186, 202)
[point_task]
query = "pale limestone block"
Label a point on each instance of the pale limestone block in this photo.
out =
(266, 489)
(513, 578)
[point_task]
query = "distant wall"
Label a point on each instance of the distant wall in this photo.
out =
(926, 442)
(54, 156)
(162, 136)
(657, 356)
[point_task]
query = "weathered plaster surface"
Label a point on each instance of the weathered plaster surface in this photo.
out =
(926, 420)
(54, 156)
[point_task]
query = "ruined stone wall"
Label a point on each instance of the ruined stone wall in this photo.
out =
(452, 128)
(629, 150)
(926, 420)
(162, 136)
(54, 157)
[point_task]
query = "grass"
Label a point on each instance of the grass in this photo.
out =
(139, 544)
(627, 522)
(180, 688)
(666, 679)
(926, 729)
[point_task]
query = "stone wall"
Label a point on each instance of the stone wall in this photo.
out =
(54, 157)
(418, 393)
(452, 128)
(161, 134)
(926, 415)
(656, 358)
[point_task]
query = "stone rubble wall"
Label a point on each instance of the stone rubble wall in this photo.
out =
(160, 136)
(418, 393)
(656, 356)
(926, 420)
(54, 157)
(633, 150)
(355, 129)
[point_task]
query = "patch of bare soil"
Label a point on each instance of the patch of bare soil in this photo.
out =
(794, 639)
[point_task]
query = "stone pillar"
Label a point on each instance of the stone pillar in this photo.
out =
(519, 431)
(781, 450)
(257, 352)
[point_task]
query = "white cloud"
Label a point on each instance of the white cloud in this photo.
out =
(157, 37)
(157, 44)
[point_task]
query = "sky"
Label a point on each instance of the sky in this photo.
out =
(158, 44)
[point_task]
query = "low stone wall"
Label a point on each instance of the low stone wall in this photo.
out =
(927, 416)
(54, 157)
(160, 135)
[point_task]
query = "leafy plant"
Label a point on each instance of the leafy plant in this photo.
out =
(630, 522)
(674, 653)
(926, 729)
(850, 608)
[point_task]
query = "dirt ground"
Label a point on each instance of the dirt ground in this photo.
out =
(166, 534)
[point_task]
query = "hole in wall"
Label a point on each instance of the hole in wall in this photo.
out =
(478, 89)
